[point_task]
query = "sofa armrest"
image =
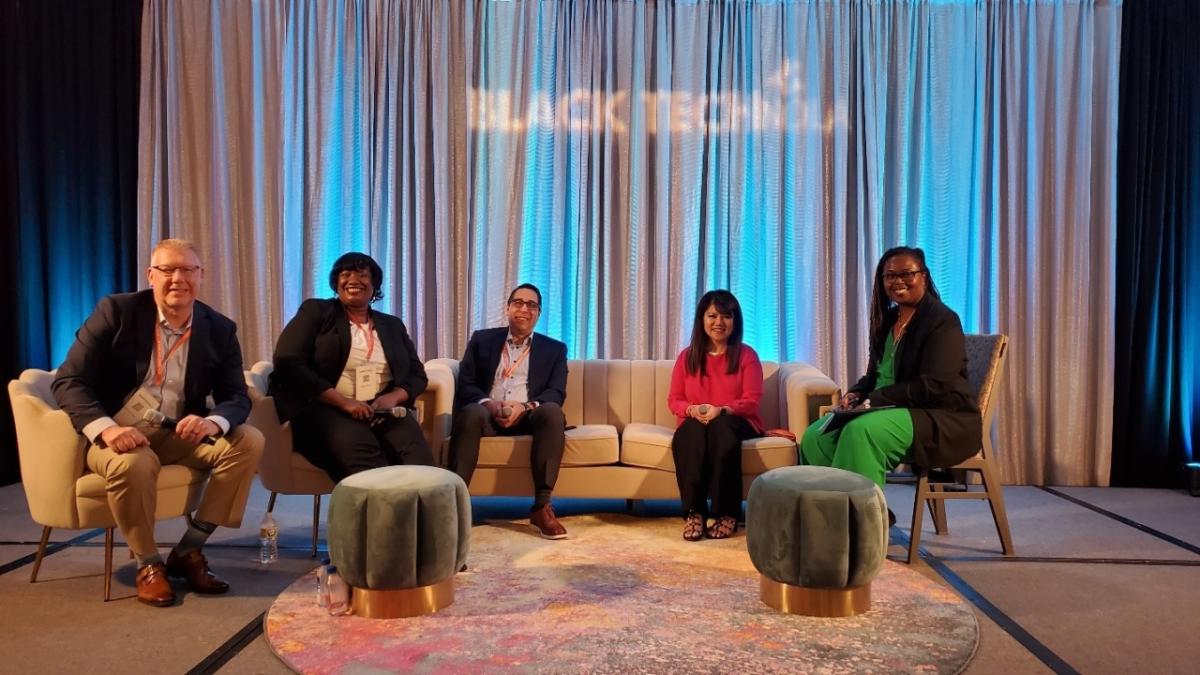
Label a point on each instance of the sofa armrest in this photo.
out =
(449, 364)
(436, 405)
(806, 389)
(51, 455)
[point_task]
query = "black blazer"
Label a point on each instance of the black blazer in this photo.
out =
(931, 381)
(112, 352)
(313, 349)
(547, 367)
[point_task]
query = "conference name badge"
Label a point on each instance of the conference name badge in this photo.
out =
(366, 382)
(131, 413)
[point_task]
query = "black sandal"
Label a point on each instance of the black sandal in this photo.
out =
(722, 528)
(693, 526)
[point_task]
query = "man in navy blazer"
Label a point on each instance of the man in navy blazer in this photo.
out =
(161, 350)
(513, 381)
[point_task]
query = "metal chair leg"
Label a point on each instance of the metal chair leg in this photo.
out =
(271, 502)
(41, 553)
(108, 550)
(316, 522)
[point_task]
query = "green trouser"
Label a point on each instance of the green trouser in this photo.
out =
(871, 444)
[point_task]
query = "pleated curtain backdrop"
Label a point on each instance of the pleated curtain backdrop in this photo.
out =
(628, 156)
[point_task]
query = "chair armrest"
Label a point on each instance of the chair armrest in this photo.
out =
(807, 389)
(275, 465)
(51, 454)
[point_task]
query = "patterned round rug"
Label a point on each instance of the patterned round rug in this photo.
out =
(625, 594)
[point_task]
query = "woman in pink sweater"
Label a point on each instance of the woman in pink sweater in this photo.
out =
(715, 390)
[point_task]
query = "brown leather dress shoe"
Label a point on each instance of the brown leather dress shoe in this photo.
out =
(153, 588)
(193, 566)
(546, 524)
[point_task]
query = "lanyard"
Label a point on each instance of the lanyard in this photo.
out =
(507, 372)
(370, 335)
(160, 359)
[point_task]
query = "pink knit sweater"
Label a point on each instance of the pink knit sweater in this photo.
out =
(741, 391)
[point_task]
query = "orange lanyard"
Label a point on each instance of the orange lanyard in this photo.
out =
(160, 359)
(507, 372)
(370, 335)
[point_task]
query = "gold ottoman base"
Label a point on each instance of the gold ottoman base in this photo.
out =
(824, 602)
(404, 602)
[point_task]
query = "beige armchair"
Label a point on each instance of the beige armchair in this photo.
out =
(60, 491)
(284, 471)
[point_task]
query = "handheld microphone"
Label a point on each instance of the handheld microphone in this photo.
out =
(506, 411)
(702, 409)
(158, 419)
(398, 411)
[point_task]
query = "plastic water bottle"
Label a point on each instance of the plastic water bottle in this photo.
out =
(323, 583)
(339, 593)
(268, 540)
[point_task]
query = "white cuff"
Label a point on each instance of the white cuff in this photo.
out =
(219, 421)
(93, 429)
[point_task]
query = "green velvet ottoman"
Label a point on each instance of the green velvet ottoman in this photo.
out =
(818, 536)
(398, 535)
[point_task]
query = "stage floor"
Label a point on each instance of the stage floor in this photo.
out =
(1106, 580)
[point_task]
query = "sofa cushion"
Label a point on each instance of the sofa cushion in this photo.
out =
(769, 452)
(649, 446)
(587, 445)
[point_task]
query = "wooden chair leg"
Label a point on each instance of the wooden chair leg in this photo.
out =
(939, 516)
(41, 553)
(937, 511)
(108, 550)
(918, 512)
(316, 522)
(271, 502)
(991, 485)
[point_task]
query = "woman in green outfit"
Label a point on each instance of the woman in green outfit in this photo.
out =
(917, 364)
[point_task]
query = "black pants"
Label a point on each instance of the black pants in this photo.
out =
(342, 445)
(546, 423)
(708, 464)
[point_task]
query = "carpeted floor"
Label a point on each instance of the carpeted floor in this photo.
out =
(626, 594)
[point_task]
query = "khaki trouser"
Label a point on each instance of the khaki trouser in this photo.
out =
(132, 479)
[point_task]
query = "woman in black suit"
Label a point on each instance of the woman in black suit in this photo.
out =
(917, 370)
(340, 367)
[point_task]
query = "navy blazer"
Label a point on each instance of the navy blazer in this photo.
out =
(112, 352)
(477, 370)
(313, 349)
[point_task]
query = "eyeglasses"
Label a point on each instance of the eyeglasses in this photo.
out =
(906, 276)
(531, 305)
(170, 270)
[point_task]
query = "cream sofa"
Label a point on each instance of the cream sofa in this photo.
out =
(621, 444)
